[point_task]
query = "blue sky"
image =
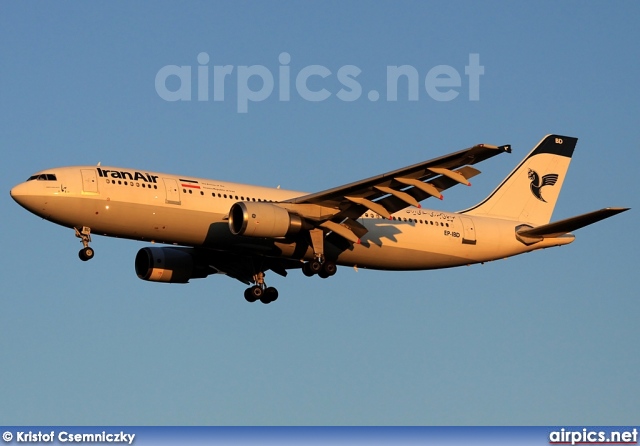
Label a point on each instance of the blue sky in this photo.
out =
(545, 338)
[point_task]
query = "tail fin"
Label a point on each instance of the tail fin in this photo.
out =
(530, 192)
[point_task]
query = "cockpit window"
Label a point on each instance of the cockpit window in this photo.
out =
(43, 177)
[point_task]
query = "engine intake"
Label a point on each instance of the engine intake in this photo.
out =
(171, 265)
(262, 220)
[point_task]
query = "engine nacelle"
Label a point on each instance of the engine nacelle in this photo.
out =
(262, 220)
(172, 265)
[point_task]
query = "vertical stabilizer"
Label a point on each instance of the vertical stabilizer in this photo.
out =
(530, 192)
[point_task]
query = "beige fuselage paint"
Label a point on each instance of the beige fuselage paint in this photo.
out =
(190, 211)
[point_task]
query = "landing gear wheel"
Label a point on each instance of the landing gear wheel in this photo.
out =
(329, 268)
(256, 292)
(315, 266)
(270, 295)
(306, 270)
(260, 291)
(86, 254)
(324, 270)
(311, 268)
(248, 295)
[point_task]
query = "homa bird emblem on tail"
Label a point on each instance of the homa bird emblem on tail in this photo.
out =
(536, 184)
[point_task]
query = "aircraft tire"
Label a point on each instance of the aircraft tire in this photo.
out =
(306, 270)
(86, 254)
(329, 268)
(248, 295)
(315, 266)
(270, 295)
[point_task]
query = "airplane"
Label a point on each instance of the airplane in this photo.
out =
(242, 231)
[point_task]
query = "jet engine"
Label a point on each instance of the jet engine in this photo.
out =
(262, 220)
(172, 265)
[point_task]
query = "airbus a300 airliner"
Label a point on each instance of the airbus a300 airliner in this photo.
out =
(214, 226)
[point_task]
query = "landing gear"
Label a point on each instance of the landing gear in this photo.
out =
(324, 270)
(319, 265)
(260, 291)
(84, 235)
(312, 268)
(328, 270)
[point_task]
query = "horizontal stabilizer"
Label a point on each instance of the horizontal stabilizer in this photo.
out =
(562, 227)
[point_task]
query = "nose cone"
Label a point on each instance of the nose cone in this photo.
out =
(19, 193)
(25, 195)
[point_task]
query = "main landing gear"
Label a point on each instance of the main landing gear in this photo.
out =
(84, 235)
(260, 291)
(319, 265)
(323, 269)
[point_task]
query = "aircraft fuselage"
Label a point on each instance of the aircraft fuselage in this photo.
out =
(188, 211)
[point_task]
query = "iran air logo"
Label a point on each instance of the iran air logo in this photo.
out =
(538, 183)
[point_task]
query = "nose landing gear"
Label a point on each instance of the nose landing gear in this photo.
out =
(84, 235)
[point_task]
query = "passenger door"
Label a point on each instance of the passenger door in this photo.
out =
(89, 181)
(172, 190)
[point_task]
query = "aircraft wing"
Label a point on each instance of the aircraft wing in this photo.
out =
(392, 191)
(242, 267)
